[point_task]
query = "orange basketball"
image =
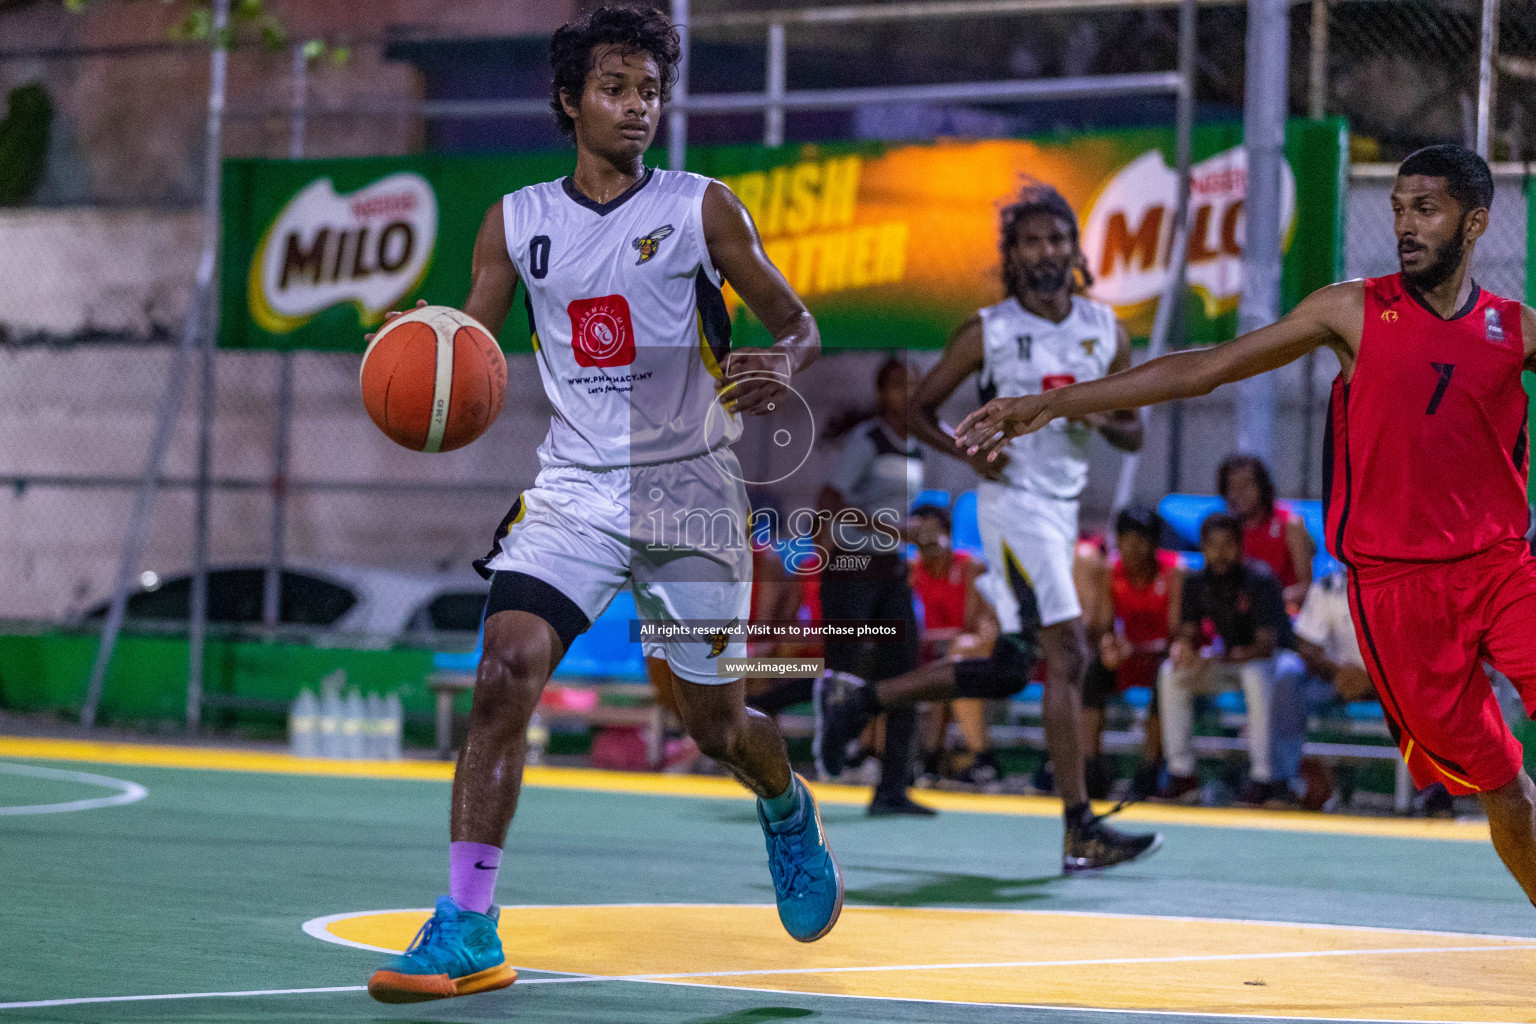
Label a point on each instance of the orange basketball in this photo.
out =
(433, 379)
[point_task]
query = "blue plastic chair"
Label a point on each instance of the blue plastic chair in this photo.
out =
(932, 496)
(1232, 702)
(1138, 697)
(1185, 512)
(605, 650)
(1364, 711)
(965, 532)
(459, 661)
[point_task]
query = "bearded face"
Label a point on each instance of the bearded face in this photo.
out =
(1042, 256)
(1427, 268)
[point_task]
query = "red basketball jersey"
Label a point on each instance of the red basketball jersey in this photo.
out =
(943, 598)
(1143, 610)
(1427, 457)
(1267, 541)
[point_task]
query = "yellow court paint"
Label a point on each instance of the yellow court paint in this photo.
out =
(719, 788)
(1024, 958)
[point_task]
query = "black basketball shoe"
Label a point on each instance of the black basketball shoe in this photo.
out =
(1089, 844)
(842, 711)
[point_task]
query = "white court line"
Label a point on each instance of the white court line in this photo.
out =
(127, 792)
(37, 1003)
(661, 980)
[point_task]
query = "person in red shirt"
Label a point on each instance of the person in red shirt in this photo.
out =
(957, 622)
(1133, 608)
(1271, 534)
(1425, 467)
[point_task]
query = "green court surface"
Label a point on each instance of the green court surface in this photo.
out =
(204, 882)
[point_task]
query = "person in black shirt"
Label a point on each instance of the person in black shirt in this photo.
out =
(1232, 635)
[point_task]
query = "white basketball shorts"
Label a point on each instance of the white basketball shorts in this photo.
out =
(1028, 540)
(675, 532)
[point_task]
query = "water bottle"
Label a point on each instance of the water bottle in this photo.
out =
(375, 728)
(538, 739)
(330, 724)
(394, 719)
(352, 727)
(303, 725)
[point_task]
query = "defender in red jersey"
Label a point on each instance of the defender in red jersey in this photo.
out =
(1426, 471)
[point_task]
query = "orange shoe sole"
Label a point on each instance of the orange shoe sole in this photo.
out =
(393, 987)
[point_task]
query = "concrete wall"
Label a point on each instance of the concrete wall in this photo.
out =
(130, 103)
(87, 272)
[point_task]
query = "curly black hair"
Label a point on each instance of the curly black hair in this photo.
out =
(1466, 174)
(630, 29)
(1260, 473)
(1032, 199)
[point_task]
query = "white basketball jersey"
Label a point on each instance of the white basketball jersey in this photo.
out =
(1027, 355)
(627, 318)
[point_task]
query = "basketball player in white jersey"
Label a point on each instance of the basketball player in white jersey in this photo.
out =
(1045, 334)
(622, 268)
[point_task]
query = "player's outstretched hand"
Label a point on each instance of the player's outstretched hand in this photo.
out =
(988, 429)
(988, 467)
(394, 313)
(764, 383)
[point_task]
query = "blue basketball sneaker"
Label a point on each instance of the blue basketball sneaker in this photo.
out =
(806, 878)
(457, 952)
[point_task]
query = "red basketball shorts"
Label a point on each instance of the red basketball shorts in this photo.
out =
(1425, 629)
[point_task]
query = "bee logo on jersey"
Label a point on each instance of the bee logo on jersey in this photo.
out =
(718, 641)
(1089, 344)
(648, 244)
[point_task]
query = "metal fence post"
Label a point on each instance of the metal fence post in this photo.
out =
(773, 117)
(298, 117)
(213, 170)
(271, 591)
(1264, 111)
(677, 119)
(1317, 109)
(1488, 45)
(198, 319)
(1317, 69)
(197, 632)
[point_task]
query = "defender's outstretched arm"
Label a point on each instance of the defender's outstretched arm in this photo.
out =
(1323, 318)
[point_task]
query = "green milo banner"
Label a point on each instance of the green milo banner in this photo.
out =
(891, 245)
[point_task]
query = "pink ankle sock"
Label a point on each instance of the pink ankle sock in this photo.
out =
(472, 869)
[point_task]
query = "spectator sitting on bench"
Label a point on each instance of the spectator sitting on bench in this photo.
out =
(1325, 639)
(1132, 607)
(1271, 534)
(957, 622)
(1234, 627)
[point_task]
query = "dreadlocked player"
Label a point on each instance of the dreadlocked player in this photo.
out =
(1045, 334)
